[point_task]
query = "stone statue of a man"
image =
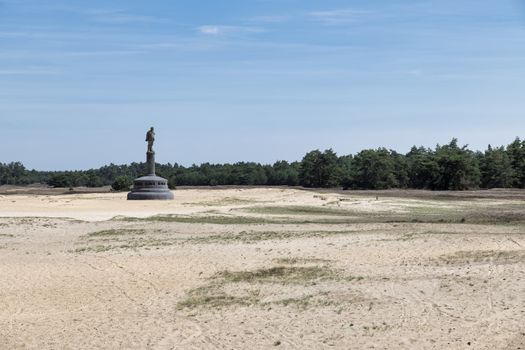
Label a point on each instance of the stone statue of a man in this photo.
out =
(150, 137)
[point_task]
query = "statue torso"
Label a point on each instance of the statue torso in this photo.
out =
(150, 136)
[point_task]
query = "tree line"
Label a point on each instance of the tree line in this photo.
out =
(446, 167)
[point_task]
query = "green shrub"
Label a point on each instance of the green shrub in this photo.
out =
(122, 183)
(172, 183)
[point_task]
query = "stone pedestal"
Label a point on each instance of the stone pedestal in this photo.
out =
(150, 160)
(150, 187)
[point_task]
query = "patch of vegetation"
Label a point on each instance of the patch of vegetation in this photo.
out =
(224, 202)
(116, 239)
(212, 295)
(254, 237)
(308, 301)
(245, 220)
(135, 244)
(298, 261)
(469, 213)
(497, 215)
(377, 327)
(122, 183)
(281, 274)
(217, 220)
(251, 220)
(407, 237)
(233, 220)
(432, 210)
(215, 301)
(300, 210)
(6, 235)
(500, 215)
(480, 256)
(117, 232)
(95, 249)
(31, 220)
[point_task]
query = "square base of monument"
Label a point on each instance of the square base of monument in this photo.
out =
(150, 187)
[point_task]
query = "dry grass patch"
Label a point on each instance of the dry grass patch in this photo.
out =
(117, 232)
(309, 301)
(258, 236)
(298, 261)
(484, 256)
(300, 210)
(325, 216)
(214, 219)
(243, 291)
(212, 296)
(226, 201)
(281, 275)
(118, 239)
(145, 243)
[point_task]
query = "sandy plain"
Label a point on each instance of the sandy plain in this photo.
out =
(263, 268)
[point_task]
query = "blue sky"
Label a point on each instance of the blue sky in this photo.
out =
(254, 80)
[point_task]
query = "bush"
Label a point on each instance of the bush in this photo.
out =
(122, 183)
(60, 180)
(172, 183)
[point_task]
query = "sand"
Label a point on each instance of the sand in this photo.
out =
(263, 268)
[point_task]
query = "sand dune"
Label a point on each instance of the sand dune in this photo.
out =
(262, 268)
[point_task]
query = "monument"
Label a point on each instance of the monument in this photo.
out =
(151, 186)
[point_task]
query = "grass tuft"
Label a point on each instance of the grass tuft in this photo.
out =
(258, 236)
(212, 295)
(308, 301)
(300, 210)
(298, 261)
(217, 220)
(484, 256)
(280, 274)
(115, 232)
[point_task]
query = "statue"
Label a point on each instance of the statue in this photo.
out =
(151, 186)
(150, 137)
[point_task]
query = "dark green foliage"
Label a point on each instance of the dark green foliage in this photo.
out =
(320, 169)
(422, 168)
(172, 182)
(374, 169)
(282, 173)
(60, 180)
(122, 183)
(448, 167)
(516, 153)
(458, 168)
(400, 169)
(496, 168)
(15, 174)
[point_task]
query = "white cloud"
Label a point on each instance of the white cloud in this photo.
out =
(210, 30)
(219, 30)
(335, 17)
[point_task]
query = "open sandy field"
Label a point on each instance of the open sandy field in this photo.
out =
(263, 268)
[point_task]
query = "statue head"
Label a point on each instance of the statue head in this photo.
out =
(151, 129)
